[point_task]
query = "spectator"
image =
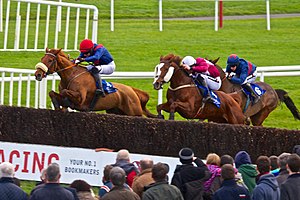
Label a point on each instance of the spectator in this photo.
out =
(160, 189)
(296, 149)
(290, 189)
(213, 162)
(267, 187)
(246, 168)
(83, 189)
(107, 183)
(144, 178)
(52, 189)
(229, 189)
(283, 172)
(189, 178)
(118, 177)
(123, 161)
(8, 189)
(274, 165)
(42, 177)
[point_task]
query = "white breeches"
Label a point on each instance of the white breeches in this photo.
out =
(107, 69)
(251, 78)
(212, 83)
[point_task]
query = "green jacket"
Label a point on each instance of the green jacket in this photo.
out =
(249, 174)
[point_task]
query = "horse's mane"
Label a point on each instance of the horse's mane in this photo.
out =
(58, 52)
(171, 58)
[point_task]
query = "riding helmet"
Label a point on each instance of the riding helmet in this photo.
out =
(233, 60)
(86, 45)
(189, 60)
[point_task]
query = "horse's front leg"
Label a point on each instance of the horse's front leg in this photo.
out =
(74, 98)
(160, 107)
(183, 108)
(57, 100)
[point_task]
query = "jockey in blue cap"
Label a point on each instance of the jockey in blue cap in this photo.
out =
(244, 73)
(102, 59)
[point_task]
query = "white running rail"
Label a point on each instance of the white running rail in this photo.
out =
(19, 87)
(28, 24)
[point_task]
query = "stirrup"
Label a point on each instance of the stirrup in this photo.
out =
(256, 99)
(207, 99)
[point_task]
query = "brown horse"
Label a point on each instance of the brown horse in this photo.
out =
(267, 103)
(184, 97)
(77, 88)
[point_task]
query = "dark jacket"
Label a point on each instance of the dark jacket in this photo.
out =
(188, 173)
(10, 191)
(282, 176)
(50, 191)
(266, 188)
(162, 191)
(129, 168)
(290, 189)
(231, 191)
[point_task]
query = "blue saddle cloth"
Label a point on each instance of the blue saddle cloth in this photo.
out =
(256, 88)
(108, 87)
(215, 99)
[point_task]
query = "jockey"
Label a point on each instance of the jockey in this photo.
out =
(245, 73)
(206, 74)
(102, 59)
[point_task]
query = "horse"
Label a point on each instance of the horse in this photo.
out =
(267, 103)
(184, 97)
(77, 89)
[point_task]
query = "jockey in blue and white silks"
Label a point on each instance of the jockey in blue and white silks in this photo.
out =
(242, 72)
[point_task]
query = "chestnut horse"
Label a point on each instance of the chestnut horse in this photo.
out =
(184, 97)
(267, 103)
(77, 87)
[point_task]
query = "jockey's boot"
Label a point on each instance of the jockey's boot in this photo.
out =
(99, 91)
(253, 94)
(206, 96)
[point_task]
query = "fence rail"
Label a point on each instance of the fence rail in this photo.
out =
(23, 81)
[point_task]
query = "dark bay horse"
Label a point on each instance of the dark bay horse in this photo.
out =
(77, 88)
(184, 97)
(267, 103)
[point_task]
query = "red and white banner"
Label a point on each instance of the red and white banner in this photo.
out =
(75, 163)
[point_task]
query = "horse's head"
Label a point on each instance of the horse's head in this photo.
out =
(164, 71)
(49, 63)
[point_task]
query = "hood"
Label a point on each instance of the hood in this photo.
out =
(270, 180)
(242, 157)
(248, 170)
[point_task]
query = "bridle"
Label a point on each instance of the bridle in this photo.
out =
(55, 62)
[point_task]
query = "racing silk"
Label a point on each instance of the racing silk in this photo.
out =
(243, 70)
(100, 56)
(205, 67)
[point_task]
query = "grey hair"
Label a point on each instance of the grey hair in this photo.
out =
(123, 154)
(53, 172)
(7, 170)
(117, 176)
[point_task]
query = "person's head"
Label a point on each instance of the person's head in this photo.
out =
(226, 159)
(293, 163)
(106, 172)
(117, 176)
(81, 186)
(227, 172)
(146, 163)
(233, 61)
(188, 60)
(296, 149)
(186, 155)
(263, 164)
(43, 175)
(283, 160)
(123, 154)
(213, 159)
(160, 171)
(7, 170)
(274, 162)
(86, 46)
(242, 157)
(53, 173)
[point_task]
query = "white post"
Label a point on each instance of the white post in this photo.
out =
(43, 93)
(268, 15)
(18, 24)
(262, 77)
(160, 14)
(216, 14)
(112, 15)
(160, 97)
(1, 16)
(6, 25)
(27, 26)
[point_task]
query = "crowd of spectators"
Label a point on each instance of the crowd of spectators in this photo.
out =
(218, 178)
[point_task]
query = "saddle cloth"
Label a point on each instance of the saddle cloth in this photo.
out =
(108, 87)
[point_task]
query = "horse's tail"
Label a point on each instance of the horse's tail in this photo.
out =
(284, 97)
(144, 98)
